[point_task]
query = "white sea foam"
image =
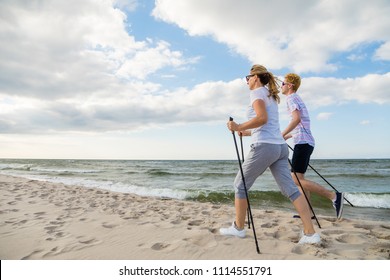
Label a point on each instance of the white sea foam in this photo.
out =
(112, 186)
(369, 200)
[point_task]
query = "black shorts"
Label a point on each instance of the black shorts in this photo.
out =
(301, 158)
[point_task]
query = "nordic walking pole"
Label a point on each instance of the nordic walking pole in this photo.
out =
(246, 191)
(325, 180)
(242, 153)
(304, 193)
(330, 185)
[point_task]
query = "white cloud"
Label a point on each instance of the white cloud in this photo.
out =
(151, 60)
(372, 88)
(207, 102)
(71, 66)
(57, 49)
(324, 116)
(383, 52)
(301, 35)
(365, 122)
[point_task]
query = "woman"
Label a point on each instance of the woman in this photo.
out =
(268, 149)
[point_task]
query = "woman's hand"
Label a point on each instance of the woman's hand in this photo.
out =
(244, 133)
(232, 126)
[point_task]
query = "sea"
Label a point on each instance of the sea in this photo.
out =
(365, 182)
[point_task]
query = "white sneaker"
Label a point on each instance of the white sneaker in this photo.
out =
(312, 239)
(232, 231)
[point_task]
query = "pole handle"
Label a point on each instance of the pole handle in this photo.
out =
(231, 119)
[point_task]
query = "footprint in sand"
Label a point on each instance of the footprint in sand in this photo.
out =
(381, 249)
(176, 222)
(134, 217)
(109, 225)
(195, 223)
(269, 225)
(332, 232)
(81, 243)
(309, 249)
(60, 234)
(29, 256)
(381, 233)
(352, 238)
(58, 222)
(301, 250)
(202, 241)
(368, 227)
(88, 240)
(282, 234)
(50, 229)
(20, 222)
(159, 246)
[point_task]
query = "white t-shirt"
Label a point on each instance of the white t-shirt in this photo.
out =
(269, 132)
(301, 133)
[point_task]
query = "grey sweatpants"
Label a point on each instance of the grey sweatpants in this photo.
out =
(260, 157)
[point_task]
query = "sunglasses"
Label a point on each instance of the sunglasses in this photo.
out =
(285, 83)
(249, 76)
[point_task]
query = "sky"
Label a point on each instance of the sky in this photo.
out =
(115, 79)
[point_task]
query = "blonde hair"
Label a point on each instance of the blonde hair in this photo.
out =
(267, 78)
(293, 79)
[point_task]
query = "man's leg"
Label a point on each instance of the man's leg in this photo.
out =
(310, 186)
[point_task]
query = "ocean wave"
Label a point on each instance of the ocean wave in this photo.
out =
(17, 167)
(39, 169)
(65, 171)
(385, 175)
(257, 198)
(373, 200)
(113, 186)
(162, 173)
(159, 172)
(364, 200)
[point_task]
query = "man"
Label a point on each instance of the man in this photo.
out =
(299, 130)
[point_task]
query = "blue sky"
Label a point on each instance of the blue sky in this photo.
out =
(115, 79)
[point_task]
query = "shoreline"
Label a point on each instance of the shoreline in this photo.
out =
(42, 220)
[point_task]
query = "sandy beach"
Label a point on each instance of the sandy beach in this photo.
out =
(42, 220)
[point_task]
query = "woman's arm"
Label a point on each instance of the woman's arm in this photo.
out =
(260, 119)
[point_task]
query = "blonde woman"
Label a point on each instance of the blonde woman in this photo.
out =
(268, 150)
